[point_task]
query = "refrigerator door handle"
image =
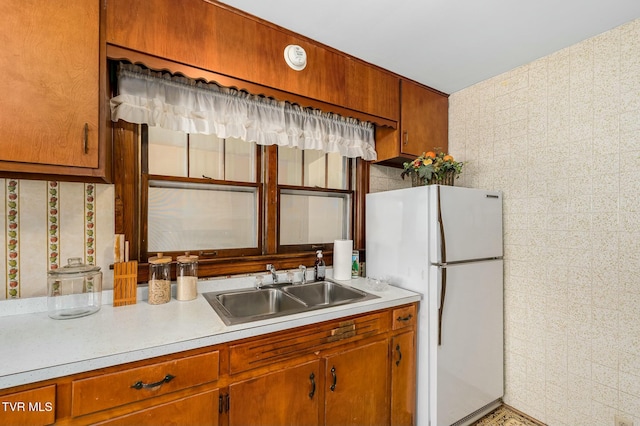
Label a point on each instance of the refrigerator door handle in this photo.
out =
(442, 283)
(442, 245)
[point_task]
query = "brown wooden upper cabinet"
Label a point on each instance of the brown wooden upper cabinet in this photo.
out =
(49, 108)
(424, 122)
(222, 40)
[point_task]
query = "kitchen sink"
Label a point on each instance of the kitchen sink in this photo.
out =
(325, 293)
(247, 305)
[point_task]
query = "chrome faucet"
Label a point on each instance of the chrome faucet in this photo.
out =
(303, 269)
(272, 269)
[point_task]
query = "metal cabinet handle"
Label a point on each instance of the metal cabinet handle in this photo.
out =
(141, 385)
(405, 319)
(405, 138)
(86, 138)
(399, 355)
(312, 378)
(335, 379)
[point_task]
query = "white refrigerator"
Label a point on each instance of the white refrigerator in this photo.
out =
(445, 242)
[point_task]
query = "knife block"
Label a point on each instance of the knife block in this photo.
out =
(125, 283)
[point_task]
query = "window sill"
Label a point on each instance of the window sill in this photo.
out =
(208, 268)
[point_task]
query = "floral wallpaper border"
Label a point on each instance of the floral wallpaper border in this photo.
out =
(13, 238)
(48, 222)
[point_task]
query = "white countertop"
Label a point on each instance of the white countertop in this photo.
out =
(34, 347)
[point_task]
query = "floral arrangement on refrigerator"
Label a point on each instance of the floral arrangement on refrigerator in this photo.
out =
(431, 168)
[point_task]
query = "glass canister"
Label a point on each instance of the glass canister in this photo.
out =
(187, 277)
(159, 279)
(75, 290)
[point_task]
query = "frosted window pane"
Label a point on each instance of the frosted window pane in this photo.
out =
(240, 160)
(310, 219)
(206, 156)
(336, 170)
(167, 152)
(314, 168)
(201, 217)
(289, 166)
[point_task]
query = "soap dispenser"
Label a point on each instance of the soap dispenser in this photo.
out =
(319, 267)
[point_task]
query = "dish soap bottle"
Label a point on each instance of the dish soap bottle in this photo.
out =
(319, 267)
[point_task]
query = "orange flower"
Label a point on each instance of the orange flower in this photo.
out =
(430, 154)
(448, 158)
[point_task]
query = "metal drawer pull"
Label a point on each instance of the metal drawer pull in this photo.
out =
(335, 379)
(405, 319)
(399, 355)
(312, 377)
(140, 385)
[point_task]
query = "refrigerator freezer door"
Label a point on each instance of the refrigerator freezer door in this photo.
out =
(464, 224)
(469, 368)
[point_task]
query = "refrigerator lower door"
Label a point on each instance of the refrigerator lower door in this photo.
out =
(467, 338)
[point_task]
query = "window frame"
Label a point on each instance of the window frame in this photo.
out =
(130, 200)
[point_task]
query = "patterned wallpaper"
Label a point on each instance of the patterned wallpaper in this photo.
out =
(561, 138)
(47, 222)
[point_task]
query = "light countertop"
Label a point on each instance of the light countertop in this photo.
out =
(35, 347)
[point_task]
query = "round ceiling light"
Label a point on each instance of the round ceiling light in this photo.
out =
(295, 56)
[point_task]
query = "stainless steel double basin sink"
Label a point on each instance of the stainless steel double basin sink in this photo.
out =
(246, 305)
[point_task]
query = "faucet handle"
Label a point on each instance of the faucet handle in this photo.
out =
(303, 270)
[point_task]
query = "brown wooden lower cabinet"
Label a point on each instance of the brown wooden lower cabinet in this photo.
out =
(286, 397)
(357, 386)
(200, 409)
(403, 379)
(357, 370)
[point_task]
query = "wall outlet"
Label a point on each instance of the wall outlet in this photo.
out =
(621, 421)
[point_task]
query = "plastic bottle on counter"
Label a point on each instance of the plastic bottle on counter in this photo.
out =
(355, 264)
(319, 267)
(187, 277)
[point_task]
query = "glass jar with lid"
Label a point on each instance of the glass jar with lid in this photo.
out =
(75, 290)
(187, 277)
(159, 279)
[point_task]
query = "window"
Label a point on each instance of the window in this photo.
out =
(209, 196)
(238, 205)
(315, 199)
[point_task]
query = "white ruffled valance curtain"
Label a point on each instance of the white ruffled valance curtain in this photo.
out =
(178, 103)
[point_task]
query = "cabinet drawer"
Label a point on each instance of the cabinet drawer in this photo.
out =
(404, 316)
(292, 343)
(198, 410)
(136, 384)
(30, 407)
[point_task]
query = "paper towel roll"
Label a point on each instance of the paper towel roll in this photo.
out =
(342, 250)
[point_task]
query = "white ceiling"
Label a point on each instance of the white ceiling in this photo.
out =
(446, 44)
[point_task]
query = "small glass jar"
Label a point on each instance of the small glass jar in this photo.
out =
(159, 279)
(187, 277)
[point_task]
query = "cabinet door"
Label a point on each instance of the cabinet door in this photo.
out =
(286, 397)
(197, 410)
(403, 379)
(424, 120)
(356, 386)
(50, 83)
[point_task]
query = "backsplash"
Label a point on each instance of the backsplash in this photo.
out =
(561, 138)
(383, 178)
(47, 222)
